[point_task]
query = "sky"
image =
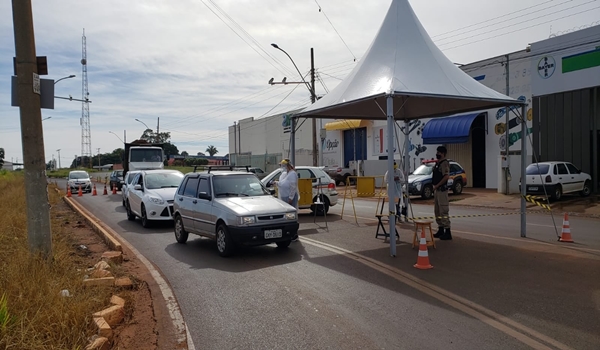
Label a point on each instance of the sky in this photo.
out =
(196, 66)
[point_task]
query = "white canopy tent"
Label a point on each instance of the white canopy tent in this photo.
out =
(404, 76)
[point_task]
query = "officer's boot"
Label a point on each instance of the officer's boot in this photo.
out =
(447, 236)
(440, 232)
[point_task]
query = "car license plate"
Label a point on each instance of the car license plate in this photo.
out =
(533, 188)
(278, 233)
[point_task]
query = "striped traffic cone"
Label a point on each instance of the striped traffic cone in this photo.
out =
(94, 193)
(423, 258)
(80, 194)
(105, 191)
(566, 231)
(114, 190)
(69, 195)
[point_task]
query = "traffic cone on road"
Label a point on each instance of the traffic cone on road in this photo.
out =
(114, 190)
(69, 195)
(566, 231)
(105, 191)
(94, 193)
(423, 258)
(80, 192)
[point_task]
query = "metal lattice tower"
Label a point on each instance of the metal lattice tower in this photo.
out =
(86, 135)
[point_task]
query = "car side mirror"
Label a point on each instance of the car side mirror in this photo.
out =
(204, 195)
(270, 183)
(272, 192)
(137, 187)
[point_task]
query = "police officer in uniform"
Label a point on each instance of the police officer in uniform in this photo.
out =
(441, 174)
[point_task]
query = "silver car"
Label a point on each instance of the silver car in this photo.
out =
(327, 189)
(233, 208)
(79, 179)
(127, 182)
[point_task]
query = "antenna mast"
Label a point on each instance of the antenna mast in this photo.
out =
(86, 138)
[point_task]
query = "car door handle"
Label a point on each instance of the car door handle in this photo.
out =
(194, 201)
(181, 199)
(560, 178)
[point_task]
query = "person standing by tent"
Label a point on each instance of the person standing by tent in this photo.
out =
(441, 174)
(288, 186)
(397, 181)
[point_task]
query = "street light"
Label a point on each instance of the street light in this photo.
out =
(313, 99)
(137, 120)
(116, 136)
(46, 118)
(69, 77)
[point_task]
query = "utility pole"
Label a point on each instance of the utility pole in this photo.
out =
(313, 99)
(39, 233)
(98, 157)
(507, 121)
(58, 150)
(157, 126)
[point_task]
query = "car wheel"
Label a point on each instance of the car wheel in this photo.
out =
(123, 202)
(557, 193)
(224, 243)
(145, 221)
(587, 188)
(180, 234)
(427, 192)
(321, 209)
(130, 214)
(283, 244)
(457, 188)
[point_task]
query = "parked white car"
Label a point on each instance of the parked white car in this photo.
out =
(330, 194)
(150, 195)
(126, 182)
(557, 178)
(79, 178)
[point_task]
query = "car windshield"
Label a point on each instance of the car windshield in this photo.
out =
(146, 155)
(119, 173)
(79, 175)
(163, 180)
(238, 185)
(537, 169)
(423, 170)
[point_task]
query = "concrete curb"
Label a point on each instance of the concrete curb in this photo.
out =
(182, 336)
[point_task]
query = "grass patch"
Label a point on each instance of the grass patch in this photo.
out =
(33, 314)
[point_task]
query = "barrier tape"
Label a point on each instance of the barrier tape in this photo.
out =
(414, 218)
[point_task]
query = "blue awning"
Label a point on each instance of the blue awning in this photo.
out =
(454, 129)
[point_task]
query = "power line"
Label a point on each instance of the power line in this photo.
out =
(511, 25)
(332, 26)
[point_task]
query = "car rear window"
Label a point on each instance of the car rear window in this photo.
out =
(536, 169)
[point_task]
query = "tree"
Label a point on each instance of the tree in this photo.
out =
(1, 157)
(171, 149)
(185, 154)
(212, 150)
(200, 154)
(150, 136)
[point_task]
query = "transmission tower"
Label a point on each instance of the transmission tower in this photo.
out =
(86, 137)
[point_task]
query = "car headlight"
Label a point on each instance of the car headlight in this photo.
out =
(290, 216)
(418, 185)
(246, 220)
(157, 200)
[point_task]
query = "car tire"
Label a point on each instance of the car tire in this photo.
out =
(427, 192)
(225, 245)
(283, 244)
(145, 222)
(181, 235)
(130, 214)
(587, 189)
(457, 188)
(321, 209)
(557, 194)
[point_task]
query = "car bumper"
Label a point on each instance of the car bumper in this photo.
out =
(84, 187)
(256, 235)
(159, 212)
(539, 189)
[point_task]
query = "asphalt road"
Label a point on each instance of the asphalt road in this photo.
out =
(341, 289)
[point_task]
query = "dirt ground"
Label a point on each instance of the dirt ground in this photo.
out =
(139, 329)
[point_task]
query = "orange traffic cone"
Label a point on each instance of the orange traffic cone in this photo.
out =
(94, 193)
(423, 258)
(114, 189)
(566, 231)
(80, 192)
(105, 192)
(69, 191)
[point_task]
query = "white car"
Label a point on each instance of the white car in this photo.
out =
(77, 179)
(126, 182)
(330, 194)
(556, 179)
(150, 195)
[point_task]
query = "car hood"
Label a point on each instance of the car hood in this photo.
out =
(418, 178)
(256, 205)
(167, 194)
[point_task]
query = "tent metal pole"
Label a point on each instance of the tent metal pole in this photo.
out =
(293, 142)
(406, 156)
(523, 172)
(390, 172)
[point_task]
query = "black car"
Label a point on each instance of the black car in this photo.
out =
(116, 179)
